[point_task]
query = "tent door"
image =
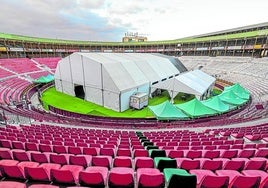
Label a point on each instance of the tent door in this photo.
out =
(79, 91)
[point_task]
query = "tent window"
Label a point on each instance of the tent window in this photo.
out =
(79, 91)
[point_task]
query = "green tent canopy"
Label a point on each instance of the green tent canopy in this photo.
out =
(44, 79)
(195, 108)
(167, 111)
(239, 91)
(230, 97)
(216, 104)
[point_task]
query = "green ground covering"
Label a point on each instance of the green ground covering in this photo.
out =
(73, 104)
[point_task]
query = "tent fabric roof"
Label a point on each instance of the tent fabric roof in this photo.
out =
(239, 91)
(230, 97)
(193, 82)
(167, 111)
(195, 108)
(216, 104)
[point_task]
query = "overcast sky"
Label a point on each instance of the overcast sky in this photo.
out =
(108, 20)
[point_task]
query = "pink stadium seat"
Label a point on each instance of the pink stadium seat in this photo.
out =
(262, 152)
(143, 162)
(193, 154)
(59, 149)
(31, 146)
(211, 154)
(81, 160)
(62, 159)
(149, 177)
(121, 177)
(45, 148)
(122, 161)
(228, 164)
(16, 171)
(6, 153)
(102, 160)
(124, 152)
(74, 150)
(246, 153)
(12, 184)
(187, 163)
(107, 151)
(206, 178)
(175, 153)
(210, 164)
(95, 176)
(40, 157)
(91, 151)
(18, 145)
(41, 172)
(141, 153)
(229, 154)
(21, 155)
(43, 186)
(239, 180)
(67, 174)
(253, 163)
(259, 173)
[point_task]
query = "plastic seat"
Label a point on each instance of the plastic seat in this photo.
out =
(30, 146)
(123, 152)
(263, 175)
(18, 145)
(45, 148)
(206, 178)
(122, 161)
(81, 160)
(157, 153)
(246, 153)
(21, 155)
(59, 149)
(175, 153)
(210, 164)
(41, 172)
(102, 160)
(229, 154)
(75, 150)
(6, 153)
(121, 177)
(95, 176)
(237, 179)
(16, 170)
(193, 154)
(67, 174)
(140, 153)
(149, 177)
(40, 157)
(143, 162)
(164, 162)
(262, 152)
(228, 164)
(187, 163)
(62, 159)
(253, 163)
(12, 184)
(107, 151)
(43, 186)
(91, 151)
(175, 177)
(211, 154)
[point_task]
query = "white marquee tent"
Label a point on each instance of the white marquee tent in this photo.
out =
(194, 82)
(109, 79)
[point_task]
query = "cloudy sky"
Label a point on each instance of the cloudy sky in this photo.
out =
(108, 20)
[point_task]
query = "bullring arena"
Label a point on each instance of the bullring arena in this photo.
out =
(52, 147)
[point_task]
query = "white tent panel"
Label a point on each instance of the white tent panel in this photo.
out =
(65, 70)
(58, 85)
(111, 100)
(94, 95)
(204, 76)
(76, 65)
(93, 74)
(144, 88)
(124, 98)
(68, 88)
(108, 83)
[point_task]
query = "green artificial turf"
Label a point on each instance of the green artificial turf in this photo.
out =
(73, 104)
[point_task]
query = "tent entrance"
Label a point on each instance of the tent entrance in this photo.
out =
(79, 91)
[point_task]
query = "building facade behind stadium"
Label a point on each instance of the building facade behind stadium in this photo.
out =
(248, 41)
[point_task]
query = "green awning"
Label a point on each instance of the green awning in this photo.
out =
(216, 104)
(239, 91)
(230, 97)
(195, 108)
(44, 79)
(167, 111)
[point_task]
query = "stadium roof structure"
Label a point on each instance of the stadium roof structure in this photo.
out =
(220, 35)
(109, 79)
(167, 111)
(193, 82)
